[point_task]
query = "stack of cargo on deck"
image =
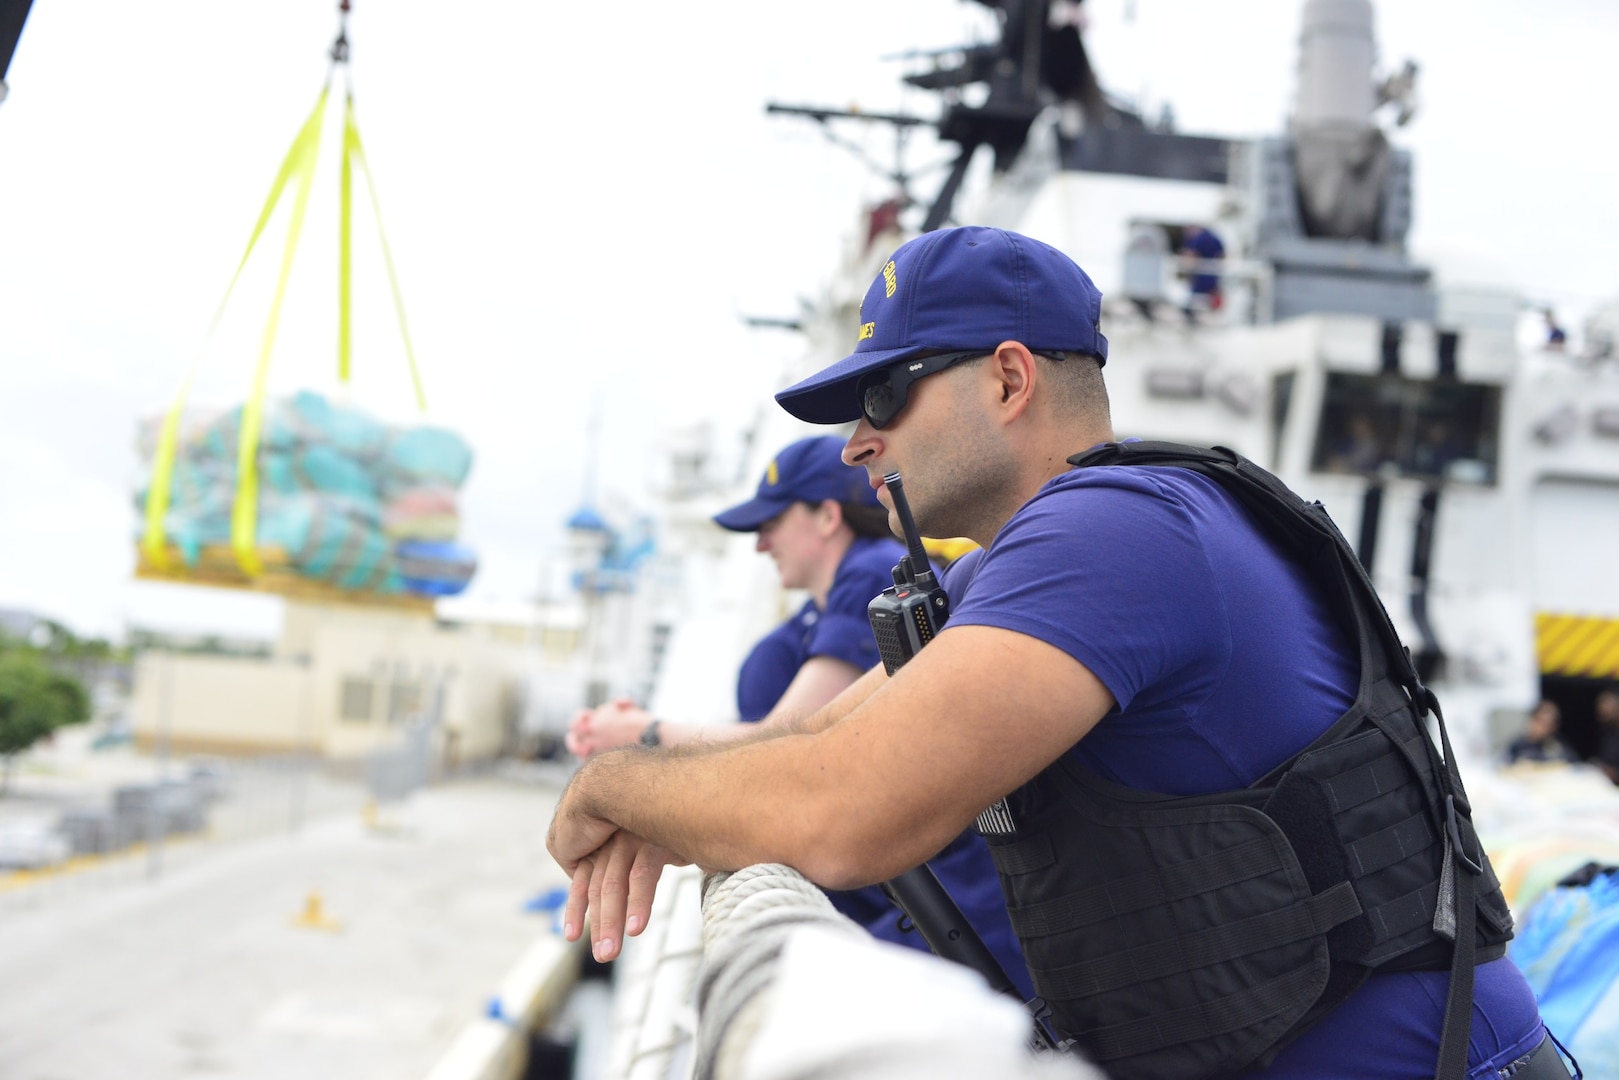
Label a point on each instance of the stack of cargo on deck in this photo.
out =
(348, 508)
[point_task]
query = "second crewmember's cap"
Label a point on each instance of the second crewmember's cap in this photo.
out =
(809, 470)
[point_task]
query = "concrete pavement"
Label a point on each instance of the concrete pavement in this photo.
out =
(207, 971)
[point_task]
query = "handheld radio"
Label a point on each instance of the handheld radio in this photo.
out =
(904, 618)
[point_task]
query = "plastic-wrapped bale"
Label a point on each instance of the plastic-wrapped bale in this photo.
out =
(422, 513)
(424, 457)
(304, 446)
(435, 568)
(315, 421)
(331, 539)
(320, 468)
(322, 537)
(337, 492)
(421, 470)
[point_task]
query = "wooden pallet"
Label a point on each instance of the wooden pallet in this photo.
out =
(216, 567)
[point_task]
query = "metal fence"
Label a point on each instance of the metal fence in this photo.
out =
(131, 832)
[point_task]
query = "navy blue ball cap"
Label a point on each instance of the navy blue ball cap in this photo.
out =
(809, 470)
(958, 289)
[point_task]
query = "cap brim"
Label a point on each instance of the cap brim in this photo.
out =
(748, 516)
(828, 396)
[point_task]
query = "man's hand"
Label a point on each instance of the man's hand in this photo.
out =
(575, 830)
(615, 884)
(606, 727)
(615, 873)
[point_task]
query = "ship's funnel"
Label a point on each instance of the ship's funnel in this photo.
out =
(1337, 52)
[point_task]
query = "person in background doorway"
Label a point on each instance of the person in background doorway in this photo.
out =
(821, 523)
(1607, 714)
(1541, 740)
(1556, 338)
(1200, 247)
(1357, 449)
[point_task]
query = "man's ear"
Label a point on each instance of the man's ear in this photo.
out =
(1014, 370)
(829, 516)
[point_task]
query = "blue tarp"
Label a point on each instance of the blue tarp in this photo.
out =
(1568, 948)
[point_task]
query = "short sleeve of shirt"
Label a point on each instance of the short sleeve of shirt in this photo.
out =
(770, 666)
(1222, 655)
(843, 630)
(959, 573)
(1110, 572)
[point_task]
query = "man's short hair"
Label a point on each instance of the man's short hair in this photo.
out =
(1077, 385)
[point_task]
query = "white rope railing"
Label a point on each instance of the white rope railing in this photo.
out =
(790, 988)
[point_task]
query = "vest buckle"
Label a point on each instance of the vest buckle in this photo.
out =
(1456, 845)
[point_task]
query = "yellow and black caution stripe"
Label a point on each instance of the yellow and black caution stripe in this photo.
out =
(1579, 646)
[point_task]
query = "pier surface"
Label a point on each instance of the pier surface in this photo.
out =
(352, 948)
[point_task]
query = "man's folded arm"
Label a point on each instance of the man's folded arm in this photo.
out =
(878, 782)
(790, 717)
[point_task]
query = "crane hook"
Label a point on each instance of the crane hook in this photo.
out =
(340, 47)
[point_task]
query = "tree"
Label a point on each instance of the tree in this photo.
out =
(67, 652)
(35, 700)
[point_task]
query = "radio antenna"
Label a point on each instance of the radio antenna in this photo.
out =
(913, 540)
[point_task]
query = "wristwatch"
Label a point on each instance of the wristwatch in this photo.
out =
(649, 734)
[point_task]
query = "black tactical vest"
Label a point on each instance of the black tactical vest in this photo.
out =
(1187, 937)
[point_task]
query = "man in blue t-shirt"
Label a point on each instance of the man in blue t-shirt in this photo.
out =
(821, 523)
(1128, 631)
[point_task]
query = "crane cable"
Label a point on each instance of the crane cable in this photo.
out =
(299, 165)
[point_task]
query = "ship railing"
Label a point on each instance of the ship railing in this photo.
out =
(772, 981)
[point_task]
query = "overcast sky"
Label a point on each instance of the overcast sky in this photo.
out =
(582, 202)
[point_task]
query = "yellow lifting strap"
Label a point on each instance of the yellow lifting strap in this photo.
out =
(299, 163)
(244, 518)
(353, 152)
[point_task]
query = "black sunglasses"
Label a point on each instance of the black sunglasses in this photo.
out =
(882, 392)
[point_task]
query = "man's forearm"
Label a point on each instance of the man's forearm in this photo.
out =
(694, 799)
(833, 711)
(886, 779)
(784, 721)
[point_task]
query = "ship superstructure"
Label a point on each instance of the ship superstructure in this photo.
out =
(1476, 478)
